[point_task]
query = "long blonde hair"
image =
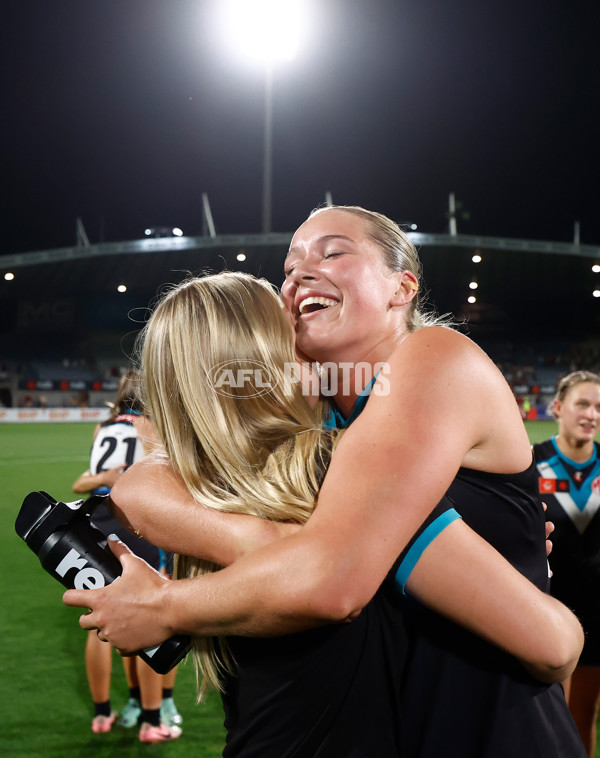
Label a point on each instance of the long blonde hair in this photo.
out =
(217, 360)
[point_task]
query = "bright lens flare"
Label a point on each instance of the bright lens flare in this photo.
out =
(266, 30)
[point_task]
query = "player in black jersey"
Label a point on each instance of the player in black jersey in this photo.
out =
(568, 468)
(440, 406)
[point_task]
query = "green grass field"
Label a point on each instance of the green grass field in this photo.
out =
(45, 707)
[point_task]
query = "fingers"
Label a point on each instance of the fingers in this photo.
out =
(79, 598)
(90, 598)
(549, 530)
(87, 598)
(112, 608)
(119, 548)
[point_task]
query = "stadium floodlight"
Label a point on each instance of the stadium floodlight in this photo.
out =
(163, 231)
(472, 299)
(476, 258)
(121, 288)
(9, 276)
(473, 285)
(596, 268)
(241, 256)
(265, 31)
(596, 293)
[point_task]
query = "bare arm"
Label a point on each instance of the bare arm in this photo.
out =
(88, 481)
(485, 595)
(379, 489)
(152, 500)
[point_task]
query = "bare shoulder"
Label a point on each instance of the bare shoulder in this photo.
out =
(442, 339)
(438, 356)
(442, 383)
(152, 472)
(434, 377)
(157, 457)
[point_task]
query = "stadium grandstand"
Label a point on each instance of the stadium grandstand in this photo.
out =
(67, 332)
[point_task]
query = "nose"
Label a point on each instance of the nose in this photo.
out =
(302, 273)
(304, 270)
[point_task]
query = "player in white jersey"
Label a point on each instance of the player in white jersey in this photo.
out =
(116, 446)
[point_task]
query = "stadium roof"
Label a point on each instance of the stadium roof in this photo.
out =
(525, 288)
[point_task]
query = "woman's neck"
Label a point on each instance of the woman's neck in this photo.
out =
(345, 378)
(579, 451)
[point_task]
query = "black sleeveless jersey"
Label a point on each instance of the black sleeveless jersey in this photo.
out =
(571, 491)
(332, 692)
(465, 698)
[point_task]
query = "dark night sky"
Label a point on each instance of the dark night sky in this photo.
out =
(123, 112)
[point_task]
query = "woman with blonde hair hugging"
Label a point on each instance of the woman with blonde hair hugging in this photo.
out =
(252, 445)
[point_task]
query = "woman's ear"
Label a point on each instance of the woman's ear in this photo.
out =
(556, 407)
(407, 288)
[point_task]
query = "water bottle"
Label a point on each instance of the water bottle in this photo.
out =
(75, 553)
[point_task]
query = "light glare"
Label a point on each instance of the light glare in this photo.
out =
(265, 30)
(473, 285)
(476, 258)
(472, 299)
(596, 293)
(121, 288)
(596, 268)
(241, 256)
(9, 276)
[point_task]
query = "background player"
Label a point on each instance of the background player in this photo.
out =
(116, 446)
(569, 480)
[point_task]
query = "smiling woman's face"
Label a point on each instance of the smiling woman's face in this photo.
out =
(337, 289)
(578, 414)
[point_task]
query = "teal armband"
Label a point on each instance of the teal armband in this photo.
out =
(423, 540)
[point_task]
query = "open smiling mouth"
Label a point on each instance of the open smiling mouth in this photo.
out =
(312, 304)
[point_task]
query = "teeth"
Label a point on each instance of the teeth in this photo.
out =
(325, 301)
